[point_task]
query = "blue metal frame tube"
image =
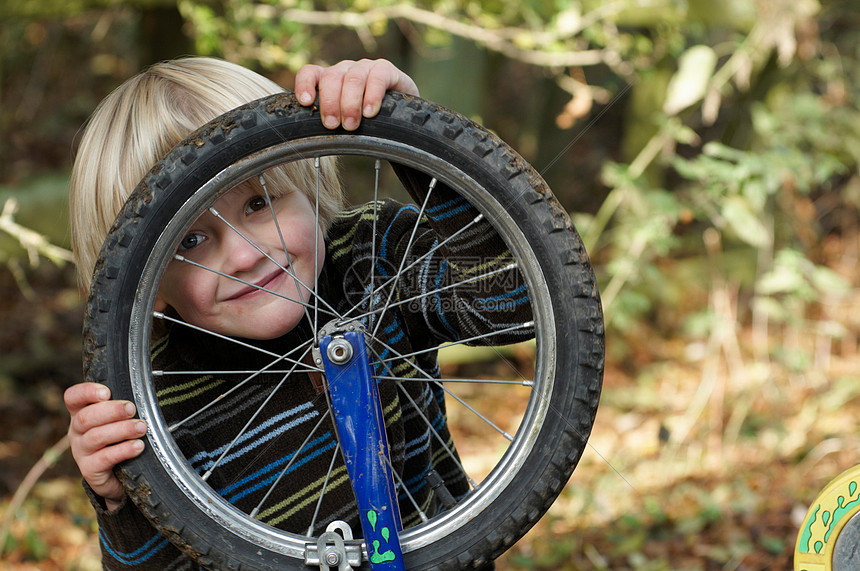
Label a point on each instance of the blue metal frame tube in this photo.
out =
(361, 429)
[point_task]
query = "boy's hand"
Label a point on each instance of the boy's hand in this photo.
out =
(350, 90)
(102, 433)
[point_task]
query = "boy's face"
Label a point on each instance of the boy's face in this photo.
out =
(229, 307)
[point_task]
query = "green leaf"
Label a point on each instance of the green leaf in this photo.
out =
(740, 217)
(781, 280)
(828, 281)
(690, 83)
(772, 544)
(35, 546)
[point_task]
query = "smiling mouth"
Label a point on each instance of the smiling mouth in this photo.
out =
(258, 287)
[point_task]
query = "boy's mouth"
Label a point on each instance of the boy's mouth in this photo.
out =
(259, 286)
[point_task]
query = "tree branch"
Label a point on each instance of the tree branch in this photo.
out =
(502, 41)
(33, 242)
(47, 461)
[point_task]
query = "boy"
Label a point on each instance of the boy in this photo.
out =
(131, 130)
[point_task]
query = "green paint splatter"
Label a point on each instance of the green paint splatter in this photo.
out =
(376, 557)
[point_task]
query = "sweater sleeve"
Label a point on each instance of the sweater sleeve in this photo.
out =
(129, 542)
(466, 284)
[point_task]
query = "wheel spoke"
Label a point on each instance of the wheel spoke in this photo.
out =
(526, 325)
(199, 372)
(415, 262)
(322, 491)
(296, 280)
(160, 315)
(504, 433)
(402, 485)
(185, 260)
(406, 252)
(439, 438)
(522, 383)
(429, 378)
(278, 358)
(271, 259)
(376, 168)
(423, 295)
(292, 460)
(316, 251)
(426, 420)
(249, 422)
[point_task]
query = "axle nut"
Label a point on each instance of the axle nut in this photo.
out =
(339, 351)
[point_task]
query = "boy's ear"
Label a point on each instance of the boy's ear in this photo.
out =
(160, 305)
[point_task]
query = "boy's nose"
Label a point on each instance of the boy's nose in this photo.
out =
(239, 254)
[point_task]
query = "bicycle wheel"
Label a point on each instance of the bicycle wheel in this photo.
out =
(512, 416)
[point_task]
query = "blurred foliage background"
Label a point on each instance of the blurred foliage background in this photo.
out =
(707, 150)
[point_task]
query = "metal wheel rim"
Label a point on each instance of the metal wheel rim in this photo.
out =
(203, 496)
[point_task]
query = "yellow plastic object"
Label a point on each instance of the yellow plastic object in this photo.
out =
(827, 516)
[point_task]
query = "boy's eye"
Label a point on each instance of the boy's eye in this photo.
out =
(191, 240)
(255, 204)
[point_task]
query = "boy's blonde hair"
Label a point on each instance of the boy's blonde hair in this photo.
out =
(140, 121)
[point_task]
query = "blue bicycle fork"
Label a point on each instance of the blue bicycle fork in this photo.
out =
(361, 429)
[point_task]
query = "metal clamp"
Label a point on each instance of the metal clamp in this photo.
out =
(331, 550)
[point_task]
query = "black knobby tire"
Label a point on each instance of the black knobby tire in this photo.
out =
(512, 196)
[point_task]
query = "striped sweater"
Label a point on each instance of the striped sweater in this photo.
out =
(449, 247)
